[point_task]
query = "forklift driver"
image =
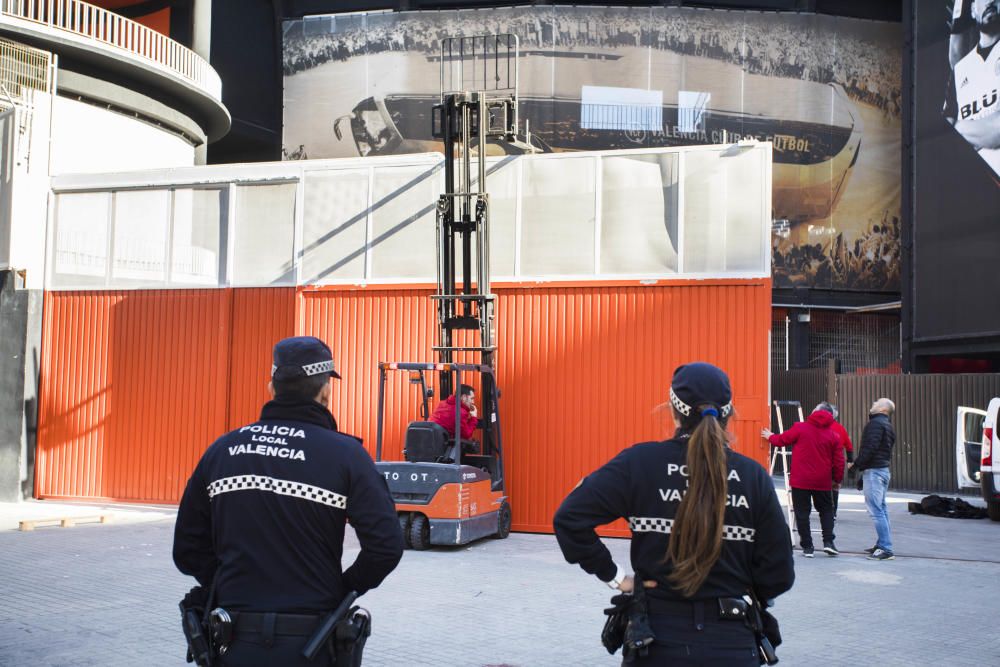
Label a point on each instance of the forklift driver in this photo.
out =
(444, 413)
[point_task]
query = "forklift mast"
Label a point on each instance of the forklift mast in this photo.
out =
(478, 103)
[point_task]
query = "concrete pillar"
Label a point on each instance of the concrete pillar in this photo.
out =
(20, 342)
(201, 42)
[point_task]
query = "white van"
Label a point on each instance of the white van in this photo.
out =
(977, 446)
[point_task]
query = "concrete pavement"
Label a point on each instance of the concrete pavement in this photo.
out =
(107, 595)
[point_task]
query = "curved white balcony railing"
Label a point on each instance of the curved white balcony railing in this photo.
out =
(109, 28)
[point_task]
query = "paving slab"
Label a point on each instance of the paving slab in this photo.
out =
(107, 595)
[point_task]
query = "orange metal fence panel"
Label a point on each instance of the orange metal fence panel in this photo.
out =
(581, 369)
(136, 384)
(260, 317)
(133, 388)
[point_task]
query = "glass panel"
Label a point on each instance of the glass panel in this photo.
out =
(704, 213)
(198, 223)
(974, 427)
(639, 214)
(335, 226)
(501, 184)
(403, 205)
(142, 218)
(265, 221)
(557, 217)
(722, 211)
(81, 243)
(744, 224)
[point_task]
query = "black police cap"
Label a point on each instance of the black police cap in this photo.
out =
(302, 356)
(701, 384)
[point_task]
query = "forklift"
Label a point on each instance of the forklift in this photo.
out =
(450, 491)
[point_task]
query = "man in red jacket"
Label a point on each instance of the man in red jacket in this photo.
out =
(845, 441)
(444, 413)
(816, 464)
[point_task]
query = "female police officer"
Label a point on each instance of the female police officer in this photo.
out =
(706, 526)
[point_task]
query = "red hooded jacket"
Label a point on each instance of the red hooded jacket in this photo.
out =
(444, 414)
(845, 439)
(816, 447)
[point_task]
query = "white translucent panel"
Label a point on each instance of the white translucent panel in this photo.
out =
(141, 223)
(80, 255)
(501, 185)
(704, 213)
(404, 200)
(723, 211)
(265, 217)
(557, 214)
(197, 232)
(335, 226)
(744, 220)
(639, 214)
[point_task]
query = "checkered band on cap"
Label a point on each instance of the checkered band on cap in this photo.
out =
(685, 409)
(318, 367)
(313, 369)
(643, 524)
(282, 487)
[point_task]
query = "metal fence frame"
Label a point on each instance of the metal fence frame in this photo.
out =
(924, 456)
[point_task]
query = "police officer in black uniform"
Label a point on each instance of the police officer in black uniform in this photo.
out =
(706, 528)
(262, 518)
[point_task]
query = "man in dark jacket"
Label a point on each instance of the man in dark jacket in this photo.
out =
(873, 460)
(262, 518)
(817, 463)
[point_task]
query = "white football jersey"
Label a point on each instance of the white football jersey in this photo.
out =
(977, 85)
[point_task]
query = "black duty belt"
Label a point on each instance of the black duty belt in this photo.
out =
(289, 625)
(729, 609)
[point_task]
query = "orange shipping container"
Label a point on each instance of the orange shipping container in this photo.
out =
(136, 384)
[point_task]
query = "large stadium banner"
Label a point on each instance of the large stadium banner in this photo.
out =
(956, 231)
(824, 90)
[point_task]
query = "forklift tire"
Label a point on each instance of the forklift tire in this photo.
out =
(420, 532)
(503, 521)
(404, 525)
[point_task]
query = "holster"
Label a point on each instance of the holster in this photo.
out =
(765, 628)
(347, 643)
(194, 621)
(628, 626)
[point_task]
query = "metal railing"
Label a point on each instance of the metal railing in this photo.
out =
(24, 73)
(21, 69)
(109, 28)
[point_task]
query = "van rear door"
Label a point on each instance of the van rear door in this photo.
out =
(969, 446)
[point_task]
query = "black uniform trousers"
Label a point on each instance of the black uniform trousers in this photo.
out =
(803, 500)
(262, 646)
(283, 651)
(699, 639)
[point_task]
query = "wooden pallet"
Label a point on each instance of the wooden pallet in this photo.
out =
(64, 521)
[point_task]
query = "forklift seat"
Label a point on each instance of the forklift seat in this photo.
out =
(426, 442)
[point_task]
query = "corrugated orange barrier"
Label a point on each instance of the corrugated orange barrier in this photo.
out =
(136, 384)
(260, 317)
(133, 386)
(581, 369)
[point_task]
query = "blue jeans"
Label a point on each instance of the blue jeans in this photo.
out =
(876, 485)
